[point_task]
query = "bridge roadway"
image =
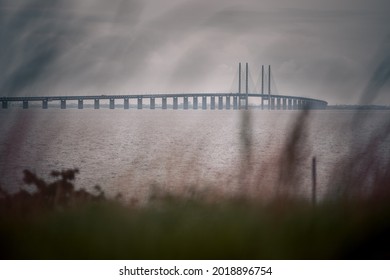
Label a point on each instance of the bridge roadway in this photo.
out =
(240, 101)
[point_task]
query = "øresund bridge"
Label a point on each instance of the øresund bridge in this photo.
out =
(235, 101)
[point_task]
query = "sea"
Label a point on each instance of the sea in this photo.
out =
(137, 153)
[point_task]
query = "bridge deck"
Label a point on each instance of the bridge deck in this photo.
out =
(137, 96)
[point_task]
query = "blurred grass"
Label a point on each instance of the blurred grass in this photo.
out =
(177, 228)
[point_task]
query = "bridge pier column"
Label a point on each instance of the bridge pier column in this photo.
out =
(227, 103)
(63, 104)
(164, 103)
(126, 104)
(241, 102)
(305, 104)
(295, 105)
(112, 103)
(44, 104)
(235, 103)
(212, 103)
(204, 102)
(272, 103)
(278, 103)
(284, 103)
(4, 104)
(185, 105)
(152, 103)
(289, 104)
(195, 103)
(96, 104)
(262, 103)
(175, 103)
(25, 104)
(139, 103)
(220, 102)
(80, 104)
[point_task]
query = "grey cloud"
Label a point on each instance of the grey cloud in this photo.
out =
(381, 75)
(47, 42)
(322, 49)
(25, 52)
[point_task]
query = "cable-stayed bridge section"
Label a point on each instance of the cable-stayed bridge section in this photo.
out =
(236, 101)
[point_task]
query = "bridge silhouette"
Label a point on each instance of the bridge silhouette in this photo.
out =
(236, 101)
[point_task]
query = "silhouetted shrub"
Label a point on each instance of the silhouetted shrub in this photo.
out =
(46, 196)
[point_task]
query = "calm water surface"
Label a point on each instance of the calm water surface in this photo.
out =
(129, 151)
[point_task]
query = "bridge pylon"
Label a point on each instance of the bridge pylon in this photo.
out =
(243, 98)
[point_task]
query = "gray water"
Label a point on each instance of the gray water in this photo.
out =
(128, 151)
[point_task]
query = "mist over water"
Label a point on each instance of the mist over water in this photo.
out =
(131, 151)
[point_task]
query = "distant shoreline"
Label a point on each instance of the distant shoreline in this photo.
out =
(357, 107)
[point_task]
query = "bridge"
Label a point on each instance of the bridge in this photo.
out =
(220, 101)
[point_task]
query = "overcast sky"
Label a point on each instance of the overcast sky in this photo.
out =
(324, 49)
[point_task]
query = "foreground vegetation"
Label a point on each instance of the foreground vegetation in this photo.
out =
(59, 222)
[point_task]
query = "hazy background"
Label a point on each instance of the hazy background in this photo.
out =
(324, 49)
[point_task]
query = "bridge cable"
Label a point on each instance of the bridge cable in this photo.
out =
(234, 84)
(273, 85)
(258, 83)
(251, 84)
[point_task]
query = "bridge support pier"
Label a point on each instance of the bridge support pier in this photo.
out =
(295, 106)
(126, 104)
(152, 103)
(164, 103)
(44, 104)
(80, 104)
(175, 104)
(284, 103)
(139, 103)
(289, 104)
(63, 104)
(262, 103)
(220, 102)
(4, 104)
(235, 103)
(212, 103)
(112, 103)
(278, 103)
(227, 103)
(96, 104)
(204, 103)
(185, 104)
(195, 103)
(25, 104)
(272, 103)
(241, 102)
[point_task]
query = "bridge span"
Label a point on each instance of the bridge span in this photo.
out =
(204, 101)
(235, 101)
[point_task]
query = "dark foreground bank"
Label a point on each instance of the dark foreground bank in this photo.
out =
(59, 222)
